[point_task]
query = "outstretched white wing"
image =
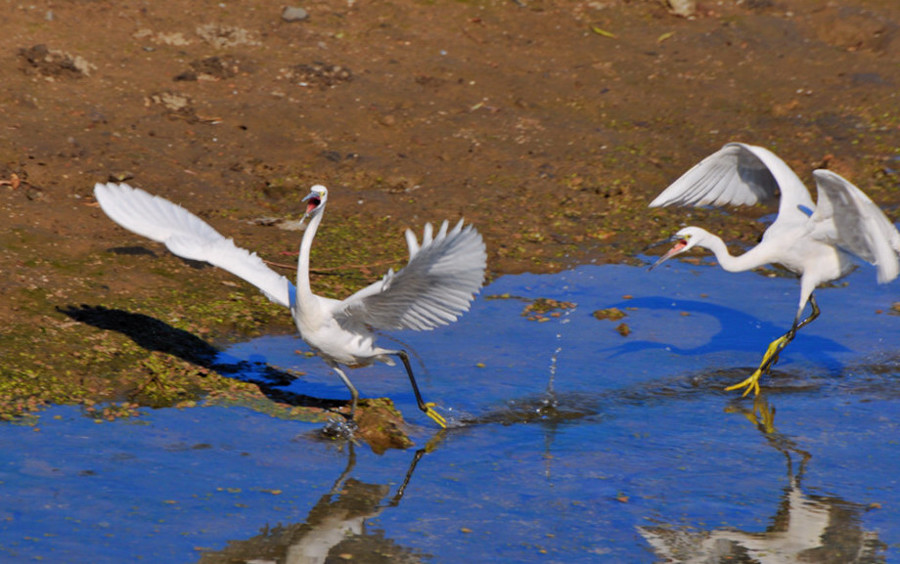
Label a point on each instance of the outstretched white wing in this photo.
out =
(188, 236)
(438, 283)
(740, 174)
(846, 217)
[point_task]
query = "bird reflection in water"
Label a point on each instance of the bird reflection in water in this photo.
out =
(334, 529)
(804, 528)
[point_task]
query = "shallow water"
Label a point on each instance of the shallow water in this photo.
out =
(574, 444)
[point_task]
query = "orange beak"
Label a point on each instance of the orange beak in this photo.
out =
(677, 248)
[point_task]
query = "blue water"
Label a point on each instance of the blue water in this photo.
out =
(642, 455)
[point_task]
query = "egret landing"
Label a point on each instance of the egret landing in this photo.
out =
(435, 287)
(815, 242)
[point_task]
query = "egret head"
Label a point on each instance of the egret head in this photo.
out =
(685, 240)
(315, 200)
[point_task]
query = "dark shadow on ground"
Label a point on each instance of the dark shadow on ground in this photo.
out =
(155, 335)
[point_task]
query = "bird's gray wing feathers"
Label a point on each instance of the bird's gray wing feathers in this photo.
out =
(847, 218)
(739, 174)
(188, 236)
(437, 284)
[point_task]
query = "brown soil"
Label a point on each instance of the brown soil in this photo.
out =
(549, 124)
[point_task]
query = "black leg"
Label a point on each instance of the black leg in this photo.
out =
(427, 408)
(812, 316)
(774, 350)
(789, 336)
(404, 357)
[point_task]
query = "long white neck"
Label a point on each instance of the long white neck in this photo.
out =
(727, 261)
(304, 290)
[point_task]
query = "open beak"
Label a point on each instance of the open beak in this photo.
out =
(312, 202)
(677, 248)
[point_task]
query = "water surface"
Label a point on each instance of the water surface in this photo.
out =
(575, 443)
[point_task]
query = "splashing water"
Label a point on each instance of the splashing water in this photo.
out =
(636, 439)
(550, 402)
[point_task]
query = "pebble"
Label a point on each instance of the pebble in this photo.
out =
(294, 14)
(683, 8)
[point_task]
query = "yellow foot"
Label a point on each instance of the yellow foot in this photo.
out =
(771, 356)
(751, 383)
(437, 417)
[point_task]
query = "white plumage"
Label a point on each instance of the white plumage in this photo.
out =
(813, 241)
(187, 236)
(435, 287)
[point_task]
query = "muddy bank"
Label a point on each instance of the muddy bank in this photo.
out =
(550, 125)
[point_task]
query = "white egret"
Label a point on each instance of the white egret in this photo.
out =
(436, 286)
(813, 241)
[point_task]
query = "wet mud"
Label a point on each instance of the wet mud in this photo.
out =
(550, 125)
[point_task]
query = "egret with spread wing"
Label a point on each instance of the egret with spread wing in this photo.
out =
(435, 287)
(813, 241)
